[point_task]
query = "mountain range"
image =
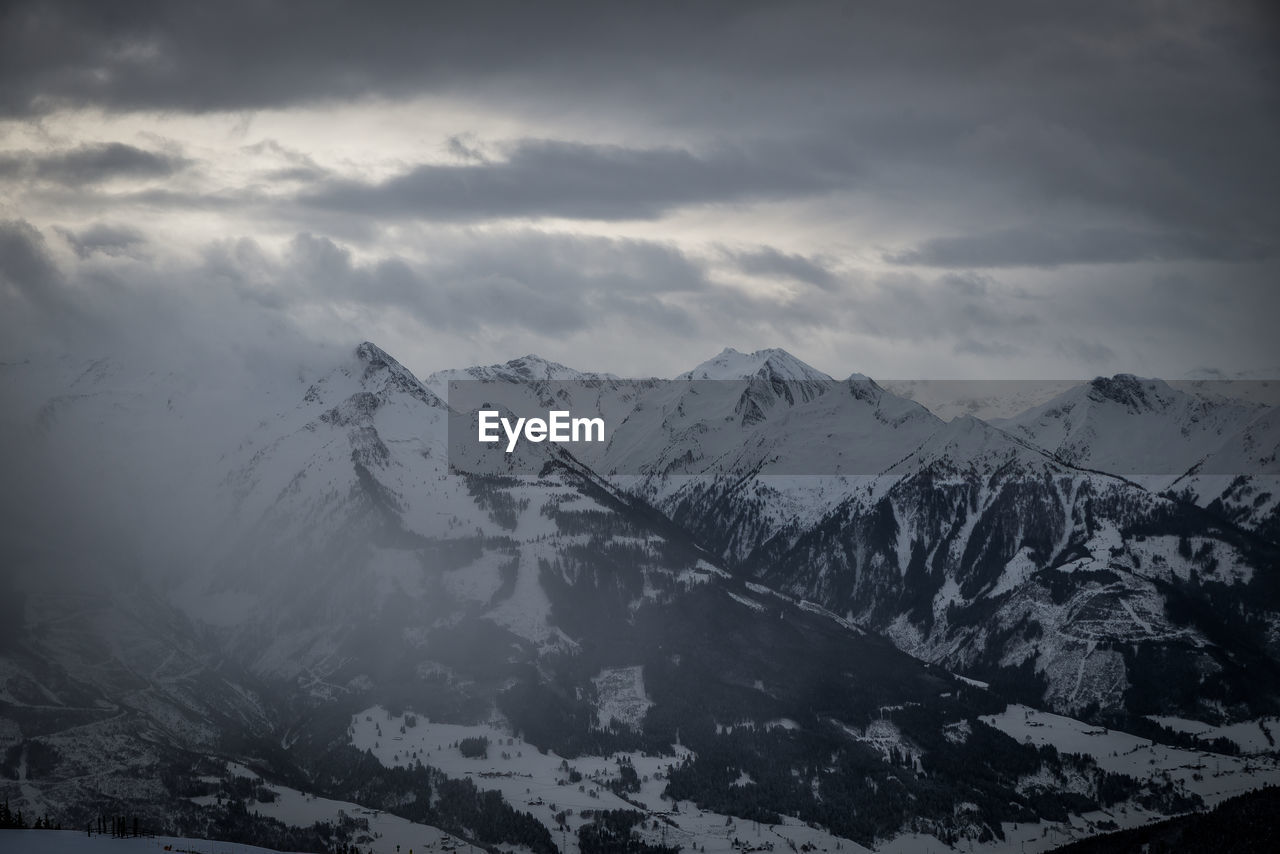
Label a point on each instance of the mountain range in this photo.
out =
(772, 599)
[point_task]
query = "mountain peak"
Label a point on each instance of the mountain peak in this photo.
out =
(374, 355)
(1134, 392)
(376, 361)
(772, 362)
(529, 368)
(533, 367)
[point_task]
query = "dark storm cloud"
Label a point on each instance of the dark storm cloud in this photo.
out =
(1164, 113)
(25, 263)
(1086, 350)
(304, 174)
(1026, 247)
(1098, 140)
(538, 178)
(104, 238)
(967, 313)
(986, 348)
(91, 164)
(548, 288)
(575, 180)
(968, 283)
(547, 284)
(240, 54)
(770, 262)
(34, 291)
(544, 283)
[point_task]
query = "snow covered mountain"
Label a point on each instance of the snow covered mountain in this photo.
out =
(1212, 443)
(998, 553)
(985, 399)
(1127, 425)
(526, 370)
(970, 546)
(771, 364)
(1240, 480)
(748, 600)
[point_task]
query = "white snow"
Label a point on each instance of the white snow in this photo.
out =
(78, 842)
(1220, 777)
(1249, 736)
(733, 365)
(539, 783)
(303, 810)
(621, 696)
(743, 600)
(1129, 425)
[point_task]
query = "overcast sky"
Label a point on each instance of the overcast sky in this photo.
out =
(906, 190)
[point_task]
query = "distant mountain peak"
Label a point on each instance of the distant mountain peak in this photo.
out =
(1132, 391)
(1131, 425)
(863, 387)
(773, 362)
(527, 369)
(534, 367)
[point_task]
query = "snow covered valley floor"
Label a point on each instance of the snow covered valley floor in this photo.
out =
(78, 842)
(563, 794)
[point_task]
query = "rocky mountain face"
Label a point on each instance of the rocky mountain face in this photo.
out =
(1214, 444)
(1009, 555)
(766, 574)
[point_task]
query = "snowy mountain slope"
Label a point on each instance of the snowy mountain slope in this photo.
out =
(799, 440)
(346, 565)
(743, 697)
(967, 447)
(354, 591)
(1253, 449)
(1240, 480)
(757, 479)
(1069, 586)
(1213, 443)
(985, 399)
(954, 543)
(770, 364)
(672, 427)
(1258, 386)
(529, 369)
(348, 498)
(689, 424)
(1127, 425)
(785, 428)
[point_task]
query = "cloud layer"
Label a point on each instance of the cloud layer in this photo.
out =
(1003, 189)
